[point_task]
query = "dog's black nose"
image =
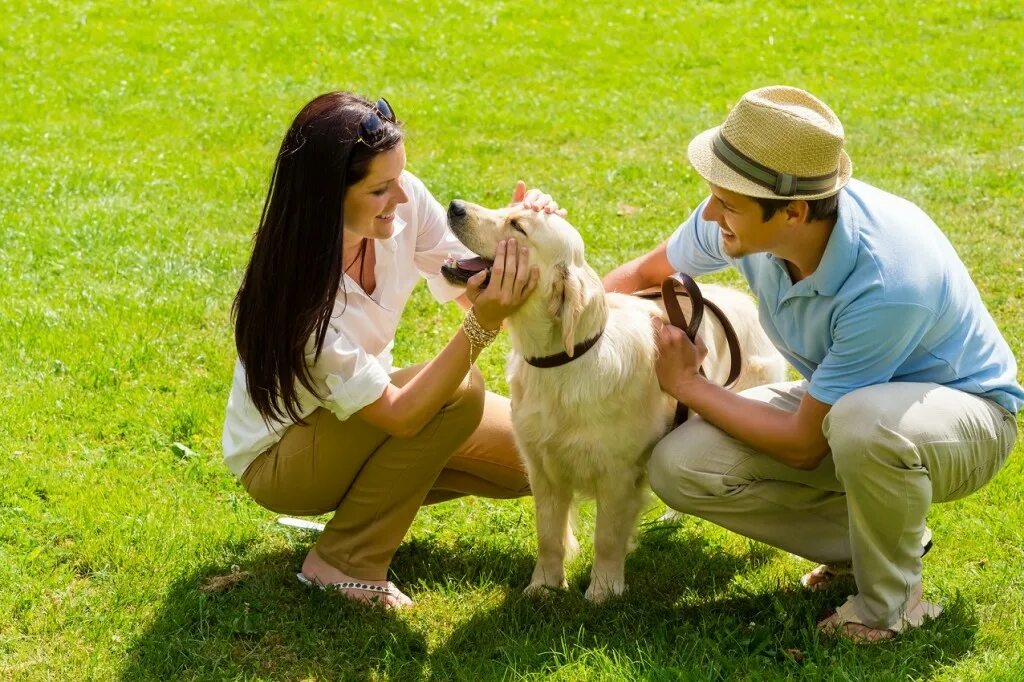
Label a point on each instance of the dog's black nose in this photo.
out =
(456, 209)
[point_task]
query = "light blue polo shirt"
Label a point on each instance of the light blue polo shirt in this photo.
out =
(890, 301)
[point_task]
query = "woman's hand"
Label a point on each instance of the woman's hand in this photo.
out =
(679, 359)
(536, 200)
(512, 281)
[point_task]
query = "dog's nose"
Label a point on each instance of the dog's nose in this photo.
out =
(457, 209)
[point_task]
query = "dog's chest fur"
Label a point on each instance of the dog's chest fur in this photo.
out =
(596, 418)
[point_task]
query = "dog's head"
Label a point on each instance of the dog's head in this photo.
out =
(567, 284)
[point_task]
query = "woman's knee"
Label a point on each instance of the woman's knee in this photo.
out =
(470, 393)
(459, 418)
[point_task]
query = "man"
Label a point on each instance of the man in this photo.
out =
(910, 390)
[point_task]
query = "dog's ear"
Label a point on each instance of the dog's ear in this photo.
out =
(566, 302)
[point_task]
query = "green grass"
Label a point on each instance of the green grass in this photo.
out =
(136, 143)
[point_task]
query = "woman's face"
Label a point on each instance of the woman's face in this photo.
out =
(370, 203)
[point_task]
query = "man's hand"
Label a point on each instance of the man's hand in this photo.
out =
(536, 200)
(679, 359)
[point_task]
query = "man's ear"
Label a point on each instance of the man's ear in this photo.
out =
(566, 303)
(797, 211)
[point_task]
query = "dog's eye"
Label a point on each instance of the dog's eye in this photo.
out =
(514, 224)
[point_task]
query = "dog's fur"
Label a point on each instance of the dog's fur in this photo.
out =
(588, 426)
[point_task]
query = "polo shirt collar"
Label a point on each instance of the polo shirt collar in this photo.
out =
(840, 255)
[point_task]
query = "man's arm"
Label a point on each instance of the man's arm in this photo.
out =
(648, 270)
(793, 438)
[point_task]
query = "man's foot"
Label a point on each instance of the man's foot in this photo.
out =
(316, 571)
(845, 622)
(838, 624)
(823, 577)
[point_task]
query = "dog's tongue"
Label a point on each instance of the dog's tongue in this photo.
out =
(460, 271)
(473, 265)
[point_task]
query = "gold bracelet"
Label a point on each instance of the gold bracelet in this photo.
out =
(479, 338)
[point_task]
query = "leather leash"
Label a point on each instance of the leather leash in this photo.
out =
(669, 292)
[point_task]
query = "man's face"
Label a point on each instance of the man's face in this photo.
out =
(370, 203)
(744, 230)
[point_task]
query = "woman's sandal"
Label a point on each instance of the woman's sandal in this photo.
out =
(846, 615)
(822, 577)
(379, 592)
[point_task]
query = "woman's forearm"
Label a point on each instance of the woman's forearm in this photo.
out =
(426, 393)
(403, 410)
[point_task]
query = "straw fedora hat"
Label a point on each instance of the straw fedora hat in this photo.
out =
(776, 143)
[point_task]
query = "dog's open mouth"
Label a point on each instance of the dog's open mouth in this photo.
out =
(459, 271)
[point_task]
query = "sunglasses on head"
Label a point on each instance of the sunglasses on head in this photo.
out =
(372, 124)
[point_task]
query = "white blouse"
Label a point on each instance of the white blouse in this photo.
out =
(354, 366)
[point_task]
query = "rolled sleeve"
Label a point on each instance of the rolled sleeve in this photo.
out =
(869, 346)
(434, 242)
(353, 378)
(695, 248)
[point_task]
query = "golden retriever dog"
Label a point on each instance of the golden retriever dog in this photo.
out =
(587, 427)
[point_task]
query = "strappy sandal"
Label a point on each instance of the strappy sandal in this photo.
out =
(822, 577)
(379, 592)
(835, 624)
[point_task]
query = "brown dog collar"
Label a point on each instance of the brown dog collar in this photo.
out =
(564, 358)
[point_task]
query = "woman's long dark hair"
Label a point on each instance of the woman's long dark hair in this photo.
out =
(292, 280)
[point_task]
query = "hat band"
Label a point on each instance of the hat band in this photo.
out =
(783, 184)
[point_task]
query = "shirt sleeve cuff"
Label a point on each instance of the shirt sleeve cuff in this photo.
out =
(348, 397)
(829, 397)
(442, 291)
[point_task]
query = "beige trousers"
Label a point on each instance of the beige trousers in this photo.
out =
(895, 449)
(375, 483)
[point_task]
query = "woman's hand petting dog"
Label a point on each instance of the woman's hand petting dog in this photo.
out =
(679, 359)
(512, 281)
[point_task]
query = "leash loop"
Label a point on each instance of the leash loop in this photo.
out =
(670, 291)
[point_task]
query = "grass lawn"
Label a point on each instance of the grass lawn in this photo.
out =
(136, 143)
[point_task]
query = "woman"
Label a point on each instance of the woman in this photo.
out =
(318, 419)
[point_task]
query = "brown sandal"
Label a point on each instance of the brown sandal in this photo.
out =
(913, 616)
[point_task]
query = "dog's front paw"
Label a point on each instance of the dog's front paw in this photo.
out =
(601, 589)
(540, 589)
(547, 576)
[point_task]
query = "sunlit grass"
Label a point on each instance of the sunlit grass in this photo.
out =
(137, 141)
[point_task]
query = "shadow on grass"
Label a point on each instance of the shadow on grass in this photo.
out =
(266, 624)
(270, 626)
(683, 619)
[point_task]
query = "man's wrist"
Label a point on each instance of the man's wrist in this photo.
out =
(688, 387)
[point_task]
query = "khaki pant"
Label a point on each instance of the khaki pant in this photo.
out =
(374, 482)
(895, 449)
